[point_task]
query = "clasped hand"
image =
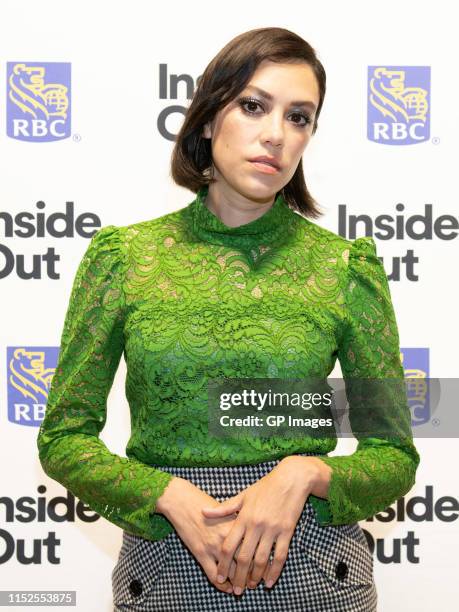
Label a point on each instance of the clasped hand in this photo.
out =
(267, 514)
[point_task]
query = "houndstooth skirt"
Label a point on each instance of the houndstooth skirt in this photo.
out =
(328, 569)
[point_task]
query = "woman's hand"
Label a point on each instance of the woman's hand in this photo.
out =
(182, 503)
(268, 512)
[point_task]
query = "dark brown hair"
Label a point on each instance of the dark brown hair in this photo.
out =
(223, 79)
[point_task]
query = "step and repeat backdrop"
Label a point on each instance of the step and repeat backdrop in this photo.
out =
(93, 97)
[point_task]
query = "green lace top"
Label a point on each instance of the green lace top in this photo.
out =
(186, 298)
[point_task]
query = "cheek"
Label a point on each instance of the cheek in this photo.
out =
(298, 144)
(233, 140)
(238, 128)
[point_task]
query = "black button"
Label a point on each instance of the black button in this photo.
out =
(341, 570)
(135, 587)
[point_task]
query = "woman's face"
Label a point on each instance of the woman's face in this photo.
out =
(253, 125)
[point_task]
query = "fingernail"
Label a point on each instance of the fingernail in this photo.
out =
(252, 584)
(220, 578)
(237, 590)
(270, 583)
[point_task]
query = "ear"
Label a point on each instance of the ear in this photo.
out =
(206, 130)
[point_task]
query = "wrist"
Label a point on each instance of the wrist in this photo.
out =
(168, 499)
(323, 477)
(314, 473)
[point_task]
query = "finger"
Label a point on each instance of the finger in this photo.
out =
(244, 559)
(220, 511)
(232, 571)
(228, 549)
(280, 556)
(209, 565)
(267, 568)
(227, 507)
(251, 583)
(261, 559)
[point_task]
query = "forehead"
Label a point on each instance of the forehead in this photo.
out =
(286, 81)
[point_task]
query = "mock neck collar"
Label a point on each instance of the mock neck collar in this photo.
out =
(267, 228)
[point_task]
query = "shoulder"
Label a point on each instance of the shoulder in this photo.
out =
(154, 231)
(351, 260)
(119, 240)
(157, 223)
(319, 237)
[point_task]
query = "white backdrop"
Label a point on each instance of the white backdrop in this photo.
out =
(114, 164)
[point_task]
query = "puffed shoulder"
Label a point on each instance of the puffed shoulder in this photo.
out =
(363, 247)
(107, 239)
(106, 250)
(364, 262)
(103, 259)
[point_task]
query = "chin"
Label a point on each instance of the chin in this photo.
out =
(263, 192)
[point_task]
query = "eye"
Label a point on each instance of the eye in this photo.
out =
(244, 103)
(307, 118)
(249, 101)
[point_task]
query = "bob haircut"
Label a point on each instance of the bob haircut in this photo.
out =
(223, 79)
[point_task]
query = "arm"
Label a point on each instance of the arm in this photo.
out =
(382, 469)
(124, 491)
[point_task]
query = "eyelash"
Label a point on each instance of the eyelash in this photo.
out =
(243, 101)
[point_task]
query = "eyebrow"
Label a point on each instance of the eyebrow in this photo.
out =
(268, 96)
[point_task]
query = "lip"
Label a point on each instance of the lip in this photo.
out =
(265, 168)
(268, 160)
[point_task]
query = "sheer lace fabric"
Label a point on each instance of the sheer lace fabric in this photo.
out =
(186, 298)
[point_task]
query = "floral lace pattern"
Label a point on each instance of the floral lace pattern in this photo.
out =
(186, 298)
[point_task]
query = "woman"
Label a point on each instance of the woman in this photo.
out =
(239, 283)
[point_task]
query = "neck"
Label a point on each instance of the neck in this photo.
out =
(254, 237)
(233, 214)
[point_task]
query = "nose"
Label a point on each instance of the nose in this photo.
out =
(273, 128)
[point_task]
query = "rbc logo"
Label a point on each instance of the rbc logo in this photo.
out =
(415, 362)
(30, 372)
(38, 101)
(398, 104)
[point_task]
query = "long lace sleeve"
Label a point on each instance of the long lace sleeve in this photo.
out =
(382, 468)
(122, 490)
